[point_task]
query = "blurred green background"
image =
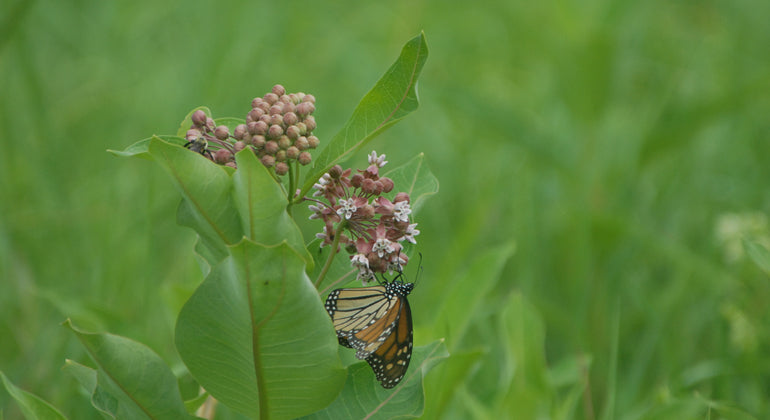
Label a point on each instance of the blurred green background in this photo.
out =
(621, 145)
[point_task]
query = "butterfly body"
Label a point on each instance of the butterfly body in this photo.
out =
(376, 321)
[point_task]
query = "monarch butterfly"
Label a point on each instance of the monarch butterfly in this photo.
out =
(376, 321)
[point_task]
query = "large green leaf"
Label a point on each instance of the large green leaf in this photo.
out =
(141, 148)
(132, 380)
(363, 397)
(256, 336)
(468, 290)
(262, 206)
(391, 99)
(33, 407)
(206, 189)
(414, 178)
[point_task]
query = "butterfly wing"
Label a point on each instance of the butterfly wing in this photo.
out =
(391, 359)
(363, 317)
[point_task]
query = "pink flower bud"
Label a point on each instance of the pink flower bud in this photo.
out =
(304, 158)
(292, 152)
(271, 147)
(240, 131)
(222, 155)
(279, 90)
(309, 98)
(313, 142)
(276, 109)
(305, 108)
(292, 131)
(289, 107)
(368, 186)
(377, 187)
(402, 196)
(192, 134)
(290, 118)
(367, 211)
(268, 160)
(199, 118)
(276, 119)
(280, 156)
(258, 141)
(310, 122)
(281, 168)
(270, 98)
(238, 146)
(357, 180)
(284, 142)
(222, 132)
(231, 164)
(302, 128)
(274, 131)
(255, 114)
(255, 102)
(267, 119)
(387, 184)
(335, 172)
(301, 143)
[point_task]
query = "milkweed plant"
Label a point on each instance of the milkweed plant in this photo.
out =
(255, 336)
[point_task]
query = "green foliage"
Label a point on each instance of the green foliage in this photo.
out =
(240, 335)
(255, 334)
(415, 178)
(621, 145)
(362, 398)
(31, 405)
(132, 381)
(391, 99)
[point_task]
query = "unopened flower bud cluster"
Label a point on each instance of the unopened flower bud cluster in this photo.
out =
(371, 227)
(279, 129)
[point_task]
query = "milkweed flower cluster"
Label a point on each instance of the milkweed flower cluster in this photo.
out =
(370, 226)
(279, 129)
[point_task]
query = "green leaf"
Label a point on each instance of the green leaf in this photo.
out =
(256, 336)
(141, 148)
(230, 122)
(85, 375)
(758, 253)
(261, 204)
(88, 377)
(416, 179)
(340, 273)
(391, 99)
(32, 406)
(441, 386)
(363, 397)
(467, 291)
(206, 189)
(194, 404)
(132, 380)
(523, 333)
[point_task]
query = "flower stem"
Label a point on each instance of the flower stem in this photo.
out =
(290, 195)
(332, 253)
